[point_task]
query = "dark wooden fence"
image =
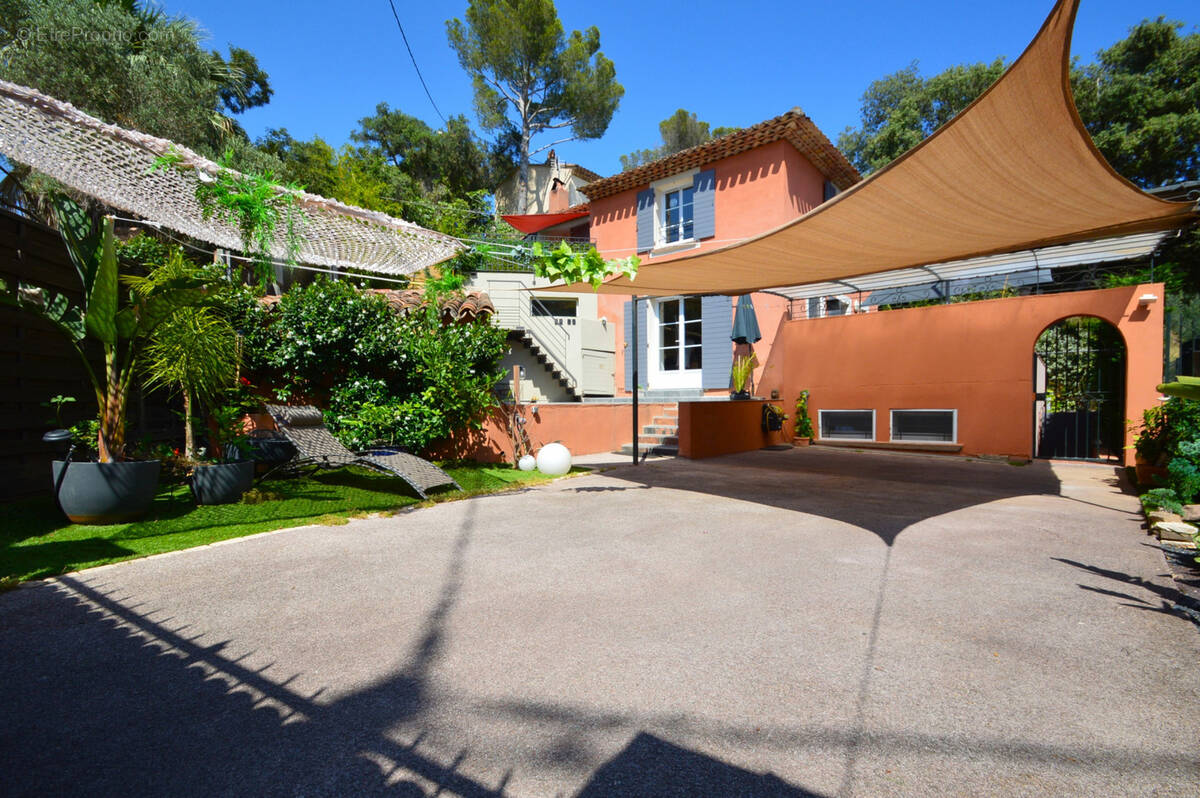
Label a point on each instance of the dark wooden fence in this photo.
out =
(36, 361)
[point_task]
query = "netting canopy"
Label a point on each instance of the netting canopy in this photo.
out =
(115, 166)
(1014, 171)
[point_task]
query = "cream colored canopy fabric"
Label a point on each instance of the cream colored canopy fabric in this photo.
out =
(116, 166)
(1015, 170)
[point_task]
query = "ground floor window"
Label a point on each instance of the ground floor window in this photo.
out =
(925, 425)
(848, 424)
(679, 334)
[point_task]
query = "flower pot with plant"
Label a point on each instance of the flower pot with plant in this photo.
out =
(743, 367)
(803, 433)
(112, 489)
(1152, 447)
(196, 353)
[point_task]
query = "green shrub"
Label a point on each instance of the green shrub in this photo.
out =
(386, 379)
(1162, 498)
(1184, 470)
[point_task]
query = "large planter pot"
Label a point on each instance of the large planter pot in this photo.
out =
(222, 483)
(105, 493)
(1150, 475)
(801, 441)
(740, 395)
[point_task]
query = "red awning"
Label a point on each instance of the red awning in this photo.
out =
(536, 222)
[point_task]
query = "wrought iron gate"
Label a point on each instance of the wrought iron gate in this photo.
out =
(1079, 384)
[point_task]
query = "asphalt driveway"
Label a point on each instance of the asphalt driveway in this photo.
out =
(811, 622)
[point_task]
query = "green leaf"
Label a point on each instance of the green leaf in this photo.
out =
(80, 236)
(101, 318)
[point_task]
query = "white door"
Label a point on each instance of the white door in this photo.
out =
(675, 351)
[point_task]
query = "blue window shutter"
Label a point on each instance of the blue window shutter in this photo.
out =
(704, 204)
(717, 353)
(643, 344)
(645, 220)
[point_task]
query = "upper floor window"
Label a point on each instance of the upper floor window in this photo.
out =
(678, 211)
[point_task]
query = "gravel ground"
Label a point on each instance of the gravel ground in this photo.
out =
(808, 622)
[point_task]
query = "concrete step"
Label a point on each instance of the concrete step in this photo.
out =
(659, 440)
(660, 429)
(665, 451)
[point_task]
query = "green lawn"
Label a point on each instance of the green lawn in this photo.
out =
(38, 541)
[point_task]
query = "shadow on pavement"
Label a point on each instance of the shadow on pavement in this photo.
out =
(650, 766)
(103, 697)
(884, 493)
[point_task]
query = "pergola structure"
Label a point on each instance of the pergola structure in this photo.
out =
(116, 166)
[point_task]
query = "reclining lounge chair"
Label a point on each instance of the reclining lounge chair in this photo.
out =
(316, 446)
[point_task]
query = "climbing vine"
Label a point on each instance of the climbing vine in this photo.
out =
(571, 266)
(255, 203)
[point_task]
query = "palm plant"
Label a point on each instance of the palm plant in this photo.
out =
(119, 321)
(194, 351)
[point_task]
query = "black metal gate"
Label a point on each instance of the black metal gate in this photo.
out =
(1079, 384)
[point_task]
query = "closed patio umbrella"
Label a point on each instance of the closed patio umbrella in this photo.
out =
(745, 322)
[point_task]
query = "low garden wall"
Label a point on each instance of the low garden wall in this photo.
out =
(583, 427)
(710, 429)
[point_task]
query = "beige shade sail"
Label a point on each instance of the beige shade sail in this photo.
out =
(1016, 170)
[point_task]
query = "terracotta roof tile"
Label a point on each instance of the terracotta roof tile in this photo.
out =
(457, 308)
(793, 126)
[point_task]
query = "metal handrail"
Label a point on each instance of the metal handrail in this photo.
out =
(551, 336)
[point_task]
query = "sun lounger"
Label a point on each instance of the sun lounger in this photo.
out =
(304, 426)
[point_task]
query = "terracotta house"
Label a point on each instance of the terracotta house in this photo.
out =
(553, 187)
(726, 190)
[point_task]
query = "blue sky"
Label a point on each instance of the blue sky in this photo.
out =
(733, 63)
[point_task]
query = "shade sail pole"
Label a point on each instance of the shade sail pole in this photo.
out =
(634, 371)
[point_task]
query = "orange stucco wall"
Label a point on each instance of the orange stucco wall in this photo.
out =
(710, 429)
(756, 191)
(976, 357)
(584, 428)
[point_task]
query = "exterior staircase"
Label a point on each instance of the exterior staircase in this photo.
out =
(551, 365)
(660, 436)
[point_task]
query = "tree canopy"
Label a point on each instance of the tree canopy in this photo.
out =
(679, 131)
(531, 78)
(133, 65)
(1140, 102)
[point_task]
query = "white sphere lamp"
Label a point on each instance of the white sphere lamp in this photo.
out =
(554, 460)
(527, 463)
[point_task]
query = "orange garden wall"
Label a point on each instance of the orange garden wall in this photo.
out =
(976, 357)
(583, 427)
(709, 429)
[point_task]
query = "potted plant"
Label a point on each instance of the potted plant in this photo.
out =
(196, 353)
(1151, 447)
(231, 473)
(743, 367)
(803, 433)
(772, 423)
(112, 489)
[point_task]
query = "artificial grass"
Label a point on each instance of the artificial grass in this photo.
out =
(37, 541)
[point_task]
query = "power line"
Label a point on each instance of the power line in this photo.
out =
(414, 62)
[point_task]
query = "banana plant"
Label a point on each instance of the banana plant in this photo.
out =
(118, 320)
(1183, 387)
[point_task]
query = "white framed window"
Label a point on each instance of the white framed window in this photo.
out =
(937, 426)
(674, 211)
(679, 334)
(678, 212)
(852, 425)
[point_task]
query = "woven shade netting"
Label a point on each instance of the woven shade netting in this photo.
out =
(114, 165)
(1015, 170)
